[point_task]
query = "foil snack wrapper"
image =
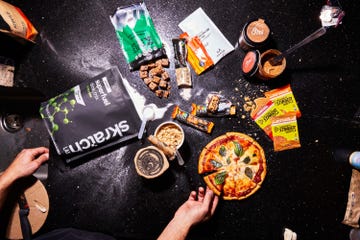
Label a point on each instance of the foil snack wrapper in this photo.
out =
(137, 35)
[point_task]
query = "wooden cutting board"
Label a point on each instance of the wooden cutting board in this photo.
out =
(38, 200)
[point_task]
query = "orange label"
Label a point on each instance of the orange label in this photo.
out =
(249, 62)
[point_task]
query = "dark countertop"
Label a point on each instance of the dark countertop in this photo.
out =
(305, 189)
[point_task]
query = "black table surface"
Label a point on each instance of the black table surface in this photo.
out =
(304, 190)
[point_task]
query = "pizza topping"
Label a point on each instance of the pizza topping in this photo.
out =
(246, 160)
(220, 178)
(222, 151)
(216, 164)
(238, 150)
(249, 173)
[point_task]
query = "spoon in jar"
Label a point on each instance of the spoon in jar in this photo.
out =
(330, 16)
(148, 115)
(318, 33)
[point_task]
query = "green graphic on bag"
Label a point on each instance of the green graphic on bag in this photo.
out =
(59, 105)
(137, 35)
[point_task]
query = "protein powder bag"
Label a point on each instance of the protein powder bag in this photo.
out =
(93, 115)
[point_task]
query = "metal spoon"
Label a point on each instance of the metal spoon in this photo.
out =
(318, 33)
(148, 114)
(179, 158)
(330, 16)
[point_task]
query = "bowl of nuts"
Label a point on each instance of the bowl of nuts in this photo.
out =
(171, 134)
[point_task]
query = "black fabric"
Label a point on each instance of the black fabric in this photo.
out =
(73, 234)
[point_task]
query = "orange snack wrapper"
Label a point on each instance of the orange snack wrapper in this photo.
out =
(197, 55)
(284, 100)
(285, 132)
(19, 25)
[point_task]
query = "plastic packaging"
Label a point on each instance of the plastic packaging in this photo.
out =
(284, 99)
(215, 105)
(15, 24)
(285, 132)
(199, 24)
(182, 71)
(137, 35)
(191, 120)
(72, 118)
(197, 56)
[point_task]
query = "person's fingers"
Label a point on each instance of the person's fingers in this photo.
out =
(38, 151)
(214, 204)
(201, 194)
(42, 158)
(209, 195)
(192, 196)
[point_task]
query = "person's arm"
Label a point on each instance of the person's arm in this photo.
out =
(25, 164)
(198, 208)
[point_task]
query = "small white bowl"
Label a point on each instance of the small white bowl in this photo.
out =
(171, 134)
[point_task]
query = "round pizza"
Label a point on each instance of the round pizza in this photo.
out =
(233, 165)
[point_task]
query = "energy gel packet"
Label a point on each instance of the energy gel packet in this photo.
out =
(216, 106)
(191, 120)
(137, 35)
(285, 132)
(197, 55)
(284, 99)
(263, 117)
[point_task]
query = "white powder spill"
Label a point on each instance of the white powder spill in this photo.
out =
(185, 93)
(140, 100)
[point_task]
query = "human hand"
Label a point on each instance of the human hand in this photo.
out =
(198, 208)
(27, 162)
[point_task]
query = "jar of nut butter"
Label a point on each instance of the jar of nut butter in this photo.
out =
(254, 35)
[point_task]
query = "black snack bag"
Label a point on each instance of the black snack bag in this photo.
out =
(93, 115)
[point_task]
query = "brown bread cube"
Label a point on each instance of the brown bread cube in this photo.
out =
(147, 80)
(166, 94)
(153, 86)
(158, 63)
(165, 76)
(144, 68)
(159, 93)
(163, 84)
(143, 74)
(156, 79)
(151, 65)
(165, 62)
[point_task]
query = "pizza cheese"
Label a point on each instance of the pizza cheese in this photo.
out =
(233, 165)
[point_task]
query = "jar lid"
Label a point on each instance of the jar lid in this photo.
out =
(150, 162)
(257, 32)
(250, 64)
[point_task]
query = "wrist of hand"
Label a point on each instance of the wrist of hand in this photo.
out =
(183, 222)
(8, 178)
